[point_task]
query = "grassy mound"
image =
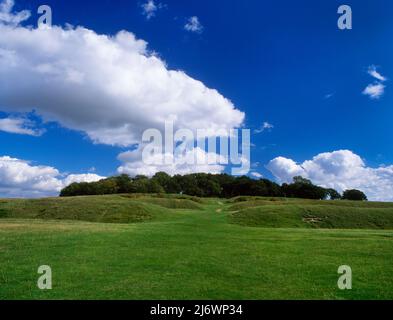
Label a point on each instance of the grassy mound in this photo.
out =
(298, 215)
(107, 209)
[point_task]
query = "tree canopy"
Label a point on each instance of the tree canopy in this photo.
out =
(354, 195)
(208, 185)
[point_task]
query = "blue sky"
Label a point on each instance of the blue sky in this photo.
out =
(284, 63)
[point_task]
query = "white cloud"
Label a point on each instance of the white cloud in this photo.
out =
(193, 161)
(256, 175)
(109, 87)
(372, 71)
(150, 8)
(193, 25)
(19, 126)
(19, 178)
(13, 19)
(329, 95)
(265, 126)
(340, 170)
(375, 90)
(86, 177)
(285, 169)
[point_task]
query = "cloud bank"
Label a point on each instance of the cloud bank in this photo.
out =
(340, 170)
(19, 178)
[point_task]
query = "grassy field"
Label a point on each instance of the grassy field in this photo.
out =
(144, 247)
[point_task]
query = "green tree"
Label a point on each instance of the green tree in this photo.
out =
(304, 189)
(164, 180)
(354, 195)
(333, 194)
(301, 180)
(154, 187)
(140, 185)
(123, 182)
(107, 186)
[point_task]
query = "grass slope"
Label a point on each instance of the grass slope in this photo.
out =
(106, 209)
(296, 213)
(183, 254)
(170, 203)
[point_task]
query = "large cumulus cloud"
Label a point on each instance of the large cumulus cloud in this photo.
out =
(341, 170)
(109, 87)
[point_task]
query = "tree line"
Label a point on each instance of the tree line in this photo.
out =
(208, 185)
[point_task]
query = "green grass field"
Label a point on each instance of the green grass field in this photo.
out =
(145, 247)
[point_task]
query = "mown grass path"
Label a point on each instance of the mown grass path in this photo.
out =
(196, 254)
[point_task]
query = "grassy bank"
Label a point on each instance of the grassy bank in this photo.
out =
(297, 213)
